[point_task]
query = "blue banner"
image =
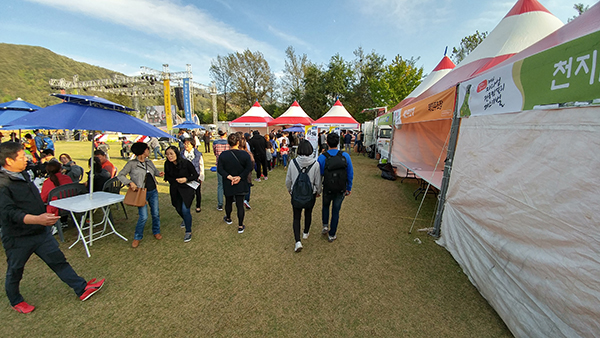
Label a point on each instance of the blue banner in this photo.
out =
(186, 100)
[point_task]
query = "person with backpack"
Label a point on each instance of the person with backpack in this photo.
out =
(338, 173)
(303, 182)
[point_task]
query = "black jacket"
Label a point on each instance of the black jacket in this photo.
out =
(235, 162)
(180, 191)
(17, 199)
(258, 146)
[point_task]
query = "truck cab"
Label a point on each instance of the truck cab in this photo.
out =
(384, 136)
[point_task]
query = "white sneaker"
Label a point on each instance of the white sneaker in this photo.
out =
(247, 205)
(325, 230)
(332, 238)
(305, 235)
(298, 246)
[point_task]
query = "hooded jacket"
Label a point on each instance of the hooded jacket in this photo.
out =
(314, 174)
(19, 197)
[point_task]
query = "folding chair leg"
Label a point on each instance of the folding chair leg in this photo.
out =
(124, 210)
(58, 226)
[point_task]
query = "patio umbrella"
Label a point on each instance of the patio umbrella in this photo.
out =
(188, 125)
(12, 110)
(297, 127)
(89, 113)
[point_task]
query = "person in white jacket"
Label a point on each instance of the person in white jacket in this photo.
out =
(305, 159)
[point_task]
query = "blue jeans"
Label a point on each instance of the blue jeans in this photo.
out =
(157, 153)
(187, 217)
(337, 200)
(285, 158)
(152, 198)
(219, 190)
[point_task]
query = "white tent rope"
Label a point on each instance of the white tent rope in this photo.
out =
(429, 184)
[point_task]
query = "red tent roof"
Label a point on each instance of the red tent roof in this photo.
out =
(294, 115)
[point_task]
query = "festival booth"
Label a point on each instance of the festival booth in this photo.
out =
(256, 118)
(293, 115)
(422, 145)
(443, 68)
(337, 116)
(521, 215)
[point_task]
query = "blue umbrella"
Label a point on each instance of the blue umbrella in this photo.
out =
(296, 127)
(94, 101)
(188, 125)
(18, 104)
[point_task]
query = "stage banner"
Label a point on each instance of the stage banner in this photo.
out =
(562, 76)
(187, 108)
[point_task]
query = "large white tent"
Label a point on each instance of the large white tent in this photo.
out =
(521, 215)
(255, 118)
(293, 115)
(337, 116)
(423, 126)
(443, 68)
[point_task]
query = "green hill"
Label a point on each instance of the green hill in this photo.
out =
(26, 70)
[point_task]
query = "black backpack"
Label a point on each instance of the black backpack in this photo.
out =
(334, 173)
(302, 191)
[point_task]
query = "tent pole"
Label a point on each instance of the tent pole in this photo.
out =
(447, 167)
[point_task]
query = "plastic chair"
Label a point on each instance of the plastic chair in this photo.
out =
(114, 186)
(64, 191)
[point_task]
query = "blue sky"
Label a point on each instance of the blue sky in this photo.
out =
(123, 35)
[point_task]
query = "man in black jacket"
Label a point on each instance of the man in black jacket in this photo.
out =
(26, 230)
(258, 147)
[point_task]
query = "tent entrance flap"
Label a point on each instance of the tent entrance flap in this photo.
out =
(421, 148)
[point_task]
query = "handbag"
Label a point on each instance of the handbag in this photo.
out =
(136, 198)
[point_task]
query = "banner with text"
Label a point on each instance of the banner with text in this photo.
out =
(436, 107)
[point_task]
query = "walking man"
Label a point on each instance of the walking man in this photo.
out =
(219, 146)
(26, 230)
(206, 138)
(337, 173)
(258, 147)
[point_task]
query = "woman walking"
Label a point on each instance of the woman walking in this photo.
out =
(180, 173)
(142, 174)
(193, 155)
(234, 166)
(243, 145)
(304, 161)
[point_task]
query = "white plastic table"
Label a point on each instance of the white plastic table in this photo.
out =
(83, 204)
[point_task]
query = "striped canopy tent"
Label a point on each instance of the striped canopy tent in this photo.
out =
(255, 117)
(337, 116)
(294, 115)
(443, 68)
(526, 23)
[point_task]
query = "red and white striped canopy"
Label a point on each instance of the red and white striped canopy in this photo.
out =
(443, 68)
(525, 24)
(294, 115)
(255, 117)
(337, 116)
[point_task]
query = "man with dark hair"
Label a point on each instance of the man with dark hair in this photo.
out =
(26, 230)
(258, 147)
(106, 164)
(338, 174)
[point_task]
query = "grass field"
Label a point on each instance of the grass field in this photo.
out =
(375, 280)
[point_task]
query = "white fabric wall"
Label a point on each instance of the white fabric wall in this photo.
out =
(522, 218)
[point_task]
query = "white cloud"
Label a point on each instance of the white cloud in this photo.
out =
(288, 38)
(167, 19)
(405, 15)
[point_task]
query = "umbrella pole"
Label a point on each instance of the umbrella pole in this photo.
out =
(92, 167)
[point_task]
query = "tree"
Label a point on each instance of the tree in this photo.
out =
(400, 78)
(293, 74)
(368, 69)
(221, 74)
(252, 77)
(339, 78)
(580, 8)
(467, 45)
(314, 99)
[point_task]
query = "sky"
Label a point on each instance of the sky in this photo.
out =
(122, 35)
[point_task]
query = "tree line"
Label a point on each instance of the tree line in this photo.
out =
(366, 81)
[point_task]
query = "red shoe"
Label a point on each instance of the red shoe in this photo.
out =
(23, 307)
(91, 288)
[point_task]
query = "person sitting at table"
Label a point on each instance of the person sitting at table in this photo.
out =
(40, 167)
(70, 168)
(101, 175)
(106, 164)
(178, 172)
(26, 230)
(142, 173)
(55, 179)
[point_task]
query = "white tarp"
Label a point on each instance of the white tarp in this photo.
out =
(522, 218)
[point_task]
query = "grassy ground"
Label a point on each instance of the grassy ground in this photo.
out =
(375, 280)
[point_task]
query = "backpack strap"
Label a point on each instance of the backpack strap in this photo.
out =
(297, 165)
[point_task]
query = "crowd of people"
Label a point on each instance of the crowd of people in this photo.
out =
(27, 218)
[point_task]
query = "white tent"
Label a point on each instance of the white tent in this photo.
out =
(293, 115)
(521, 215)
(255, 118)
(337, 116)
(443, 68)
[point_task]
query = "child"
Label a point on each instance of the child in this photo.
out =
(284, 151)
